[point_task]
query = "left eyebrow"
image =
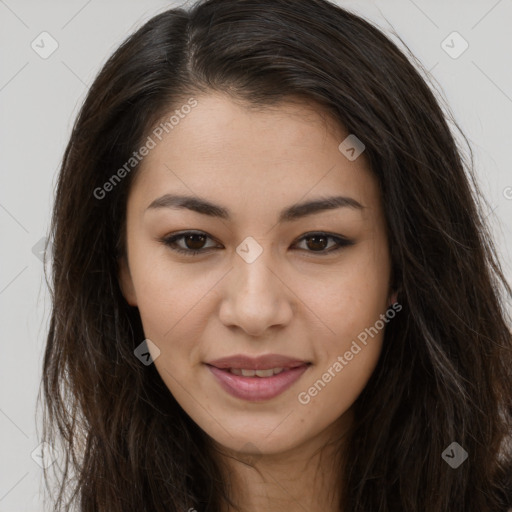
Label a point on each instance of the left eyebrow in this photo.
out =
(289, 214)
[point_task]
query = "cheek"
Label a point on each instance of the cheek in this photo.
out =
(334, 388)
(175, 304)
(174, 317)
(347, 355)
(169, 294)
(174, 311)
(352, 303)
(352, 298)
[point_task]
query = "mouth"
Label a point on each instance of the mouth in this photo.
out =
(262, 362)
(250, 380)
(258, 373)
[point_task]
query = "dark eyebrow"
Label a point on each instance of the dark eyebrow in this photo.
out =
(294, 212)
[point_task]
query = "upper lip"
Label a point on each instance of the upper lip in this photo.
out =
(263, 362)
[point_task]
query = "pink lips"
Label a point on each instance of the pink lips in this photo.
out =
(257, 388)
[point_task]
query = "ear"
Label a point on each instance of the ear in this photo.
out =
(125, 281)
(393, 298)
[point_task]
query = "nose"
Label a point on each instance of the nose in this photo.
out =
(257, 296)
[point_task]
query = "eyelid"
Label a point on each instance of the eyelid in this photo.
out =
(340, 240)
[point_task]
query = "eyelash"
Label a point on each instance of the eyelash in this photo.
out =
(170, 241)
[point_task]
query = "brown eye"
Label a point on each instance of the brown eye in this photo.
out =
(191, 243)
(319, 242)
(194, 241)
(316, 242)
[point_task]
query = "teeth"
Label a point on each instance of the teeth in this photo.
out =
(264, 373)
(259, 373)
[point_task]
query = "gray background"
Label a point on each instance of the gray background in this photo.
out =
(39, 99)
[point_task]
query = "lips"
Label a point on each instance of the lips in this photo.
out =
(257, 378)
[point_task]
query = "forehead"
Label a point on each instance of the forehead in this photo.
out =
(272, 155)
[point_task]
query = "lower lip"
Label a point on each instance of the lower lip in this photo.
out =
(256, 389)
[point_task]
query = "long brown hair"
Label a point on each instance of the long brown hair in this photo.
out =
(445, 371)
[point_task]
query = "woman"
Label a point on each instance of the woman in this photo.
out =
(273, 289)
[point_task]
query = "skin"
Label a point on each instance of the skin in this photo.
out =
(291, 300)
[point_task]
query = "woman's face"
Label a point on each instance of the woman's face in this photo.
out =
(275, 275)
